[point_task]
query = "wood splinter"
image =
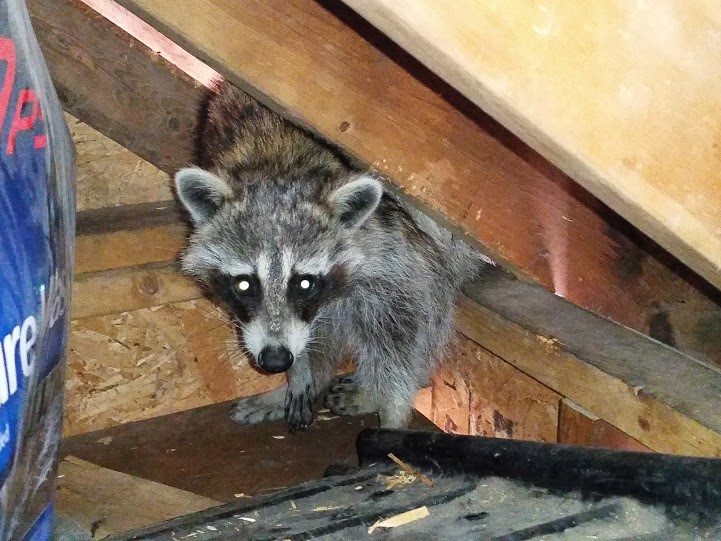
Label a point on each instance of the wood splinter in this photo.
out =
(401, 519)
(410, 470)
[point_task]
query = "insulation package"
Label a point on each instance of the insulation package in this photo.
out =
(37, 225)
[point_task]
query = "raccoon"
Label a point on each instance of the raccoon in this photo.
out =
(315, 261)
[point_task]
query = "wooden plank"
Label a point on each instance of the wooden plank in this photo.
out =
(106, 502)
(154, 361)
(622, 97)
(433, 144)
(123, 290)
(655, 394)
(124, 217)
(577, 426)
(116, 85)
(105, 251)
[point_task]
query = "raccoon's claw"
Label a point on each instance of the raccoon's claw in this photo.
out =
(299, 410)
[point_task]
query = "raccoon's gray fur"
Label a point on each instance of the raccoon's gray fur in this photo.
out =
(314, 262)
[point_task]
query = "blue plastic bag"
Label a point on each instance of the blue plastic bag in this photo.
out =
(37, 225)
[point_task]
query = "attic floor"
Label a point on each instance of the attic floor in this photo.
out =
(203, 452)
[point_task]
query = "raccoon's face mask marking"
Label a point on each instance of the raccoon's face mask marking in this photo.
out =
(274, 257)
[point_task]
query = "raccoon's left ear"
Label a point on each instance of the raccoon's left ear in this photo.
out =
(201, 192)
(354, 202)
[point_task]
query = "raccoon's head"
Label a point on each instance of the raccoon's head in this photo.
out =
(274, 253)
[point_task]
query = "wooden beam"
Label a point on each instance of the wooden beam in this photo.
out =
(622, 98)
(105, 251)
(128, 236)
(425, 137)
(105, 502)
(126, 289)
(128, 217)
(125, 91)
(664, 399)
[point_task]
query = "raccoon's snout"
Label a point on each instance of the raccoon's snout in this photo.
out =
(275, 359)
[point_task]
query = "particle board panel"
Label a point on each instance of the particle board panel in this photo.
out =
(202, 451)
(108, 174)
(105, 502)
(621, 96)
(153, 361)
(503, 401)
(327, 68)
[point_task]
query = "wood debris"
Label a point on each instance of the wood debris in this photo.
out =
(327, 508)
(400, 519)
(425, 480)
(399, 479)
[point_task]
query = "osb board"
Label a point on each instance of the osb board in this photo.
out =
(504, 402)
(580, 427)
(475, 392)
(104, 502)
(110, 175)
(136, 365)
(451, 403)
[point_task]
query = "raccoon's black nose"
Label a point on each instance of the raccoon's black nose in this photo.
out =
(275, 359)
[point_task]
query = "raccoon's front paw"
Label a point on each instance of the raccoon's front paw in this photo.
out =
(299, 409)
(254, 410)
(347, 397)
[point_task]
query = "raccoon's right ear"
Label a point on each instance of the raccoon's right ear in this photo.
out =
(354, 202)
(201, 192)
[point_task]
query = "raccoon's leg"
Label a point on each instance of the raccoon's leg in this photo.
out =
(395, 410)
(260, 408)
(307, 379)
(300, 397)
(346, 396)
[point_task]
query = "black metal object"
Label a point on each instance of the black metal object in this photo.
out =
(690, 483)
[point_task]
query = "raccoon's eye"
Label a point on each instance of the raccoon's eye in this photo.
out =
(243, 284)
(306, 283)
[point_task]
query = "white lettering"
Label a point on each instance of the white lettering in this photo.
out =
(9, 343)
(4, 395)
(5, 436)
(28, 336)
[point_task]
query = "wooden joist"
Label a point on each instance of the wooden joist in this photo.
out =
(335, 74)
(622, 97)
(664, 399)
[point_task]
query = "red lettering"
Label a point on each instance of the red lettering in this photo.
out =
(24, 123)
(7, 54)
